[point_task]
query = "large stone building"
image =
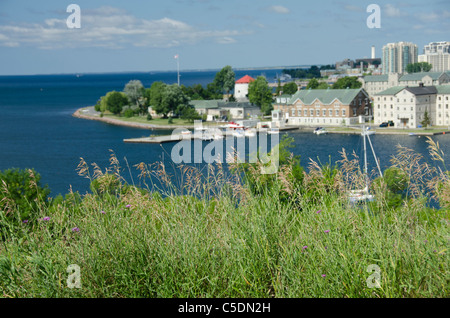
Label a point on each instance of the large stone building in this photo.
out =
(406, 106)
(438, 55)
(321, 107)
(396, 56)
(375, 84)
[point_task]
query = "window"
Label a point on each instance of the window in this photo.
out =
(293, 113)
(343, 112)
(337, 112)
(354, 111)
(324, 113)
(305, 112)
(311, 112)
(299, 113)
(317, 113)
(330, 112)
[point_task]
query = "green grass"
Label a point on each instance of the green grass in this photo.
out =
(220, 239)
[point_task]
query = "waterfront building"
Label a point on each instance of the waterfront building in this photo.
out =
(241, 88)
(406, 106)
(396, 56)
(314, 107)
(218, 109)
(374, 84)
(438, 55)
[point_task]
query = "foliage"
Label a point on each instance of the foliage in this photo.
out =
(426, 119)
(190, 114)
(313, 84)
(260, 94)
(134, 90)
(347, 82)
(312, 72)
(225, 79)
(115, 102)
(419, 67)
(21, 195)
(290, 88)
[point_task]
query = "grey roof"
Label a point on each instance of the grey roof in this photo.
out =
(422, 90)
(419, 90)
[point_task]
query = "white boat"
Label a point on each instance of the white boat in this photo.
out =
(368, 132)
(249, 133)
(320, 131)
(363, 195)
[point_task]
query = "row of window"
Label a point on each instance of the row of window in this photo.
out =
(311, 112)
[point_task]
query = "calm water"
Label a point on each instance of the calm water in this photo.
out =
(37, 129)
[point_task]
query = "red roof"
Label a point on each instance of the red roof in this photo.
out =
(245, 80)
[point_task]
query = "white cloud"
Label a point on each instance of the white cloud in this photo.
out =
(392, 11)
(111, 28)
(279, 9)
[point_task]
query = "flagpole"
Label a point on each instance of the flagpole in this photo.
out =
(178, 68)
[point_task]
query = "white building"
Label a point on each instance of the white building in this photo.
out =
(438, 55)
(375, 84)
(396, 56)
(241, 88)
(406, 106)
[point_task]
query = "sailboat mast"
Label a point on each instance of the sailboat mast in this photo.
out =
(365, 150)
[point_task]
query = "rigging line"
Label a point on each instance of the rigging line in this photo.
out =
(376, 160)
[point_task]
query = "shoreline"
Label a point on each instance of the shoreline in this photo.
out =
(117, 122)
(93, 115)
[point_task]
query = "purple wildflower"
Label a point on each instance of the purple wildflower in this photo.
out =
(128, 206)
(102, 212)
(47, 218)
(327, 231)
(319, 211)
(75, 229)
(324, 275)
(25, 221)
(305, 247)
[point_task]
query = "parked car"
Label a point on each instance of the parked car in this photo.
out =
(391, 123)
(384, 124)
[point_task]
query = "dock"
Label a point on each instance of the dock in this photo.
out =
(178, 137)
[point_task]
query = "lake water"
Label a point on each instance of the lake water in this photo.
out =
(37, 129)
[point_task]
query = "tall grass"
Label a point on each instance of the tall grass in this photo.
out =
(209, 234)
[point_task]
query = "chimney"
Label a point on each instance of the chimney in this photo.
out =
(421, 85)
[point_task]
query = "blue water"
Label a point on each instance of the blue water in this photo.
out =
(37, 129)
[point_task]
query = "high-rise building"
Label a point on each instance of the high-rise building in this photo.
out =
(396, 56)
(438, 55)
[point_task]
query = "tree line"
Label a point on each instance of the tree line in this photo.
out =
(174, 100)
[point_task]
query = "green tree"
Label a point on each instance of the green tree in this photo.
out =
(323, 85)
(116, 101)
(260, 94)
(225, 79)
(347, 82)
(313, 84)
(134, 91)
(418, 67)
(290, 88)
(190, 114)
(426, 119)
(173, 99)
(156, 96)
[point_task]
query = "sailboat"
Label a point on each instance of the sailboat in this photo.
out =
(363, 195)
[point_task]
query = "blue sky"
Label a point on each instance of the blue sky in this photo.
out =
(133, 35)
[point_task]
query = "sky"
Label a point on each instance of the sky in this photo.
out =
(145, 36)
